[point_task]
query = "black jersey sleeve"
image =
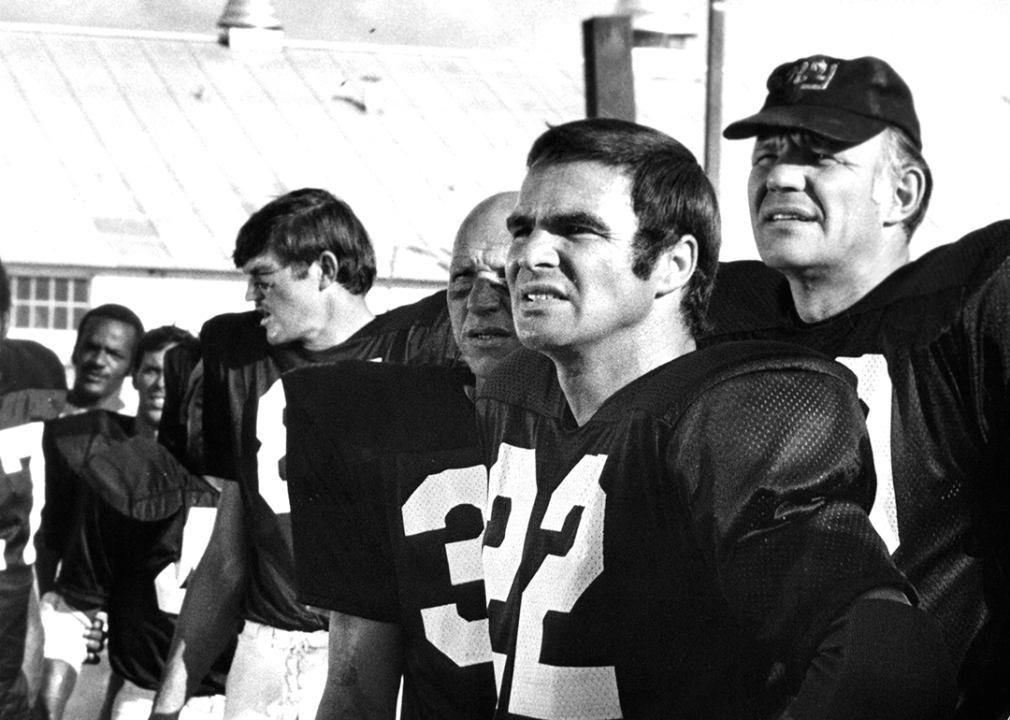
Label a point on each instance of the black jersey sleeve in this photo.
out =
(361, 436)
(781, 479)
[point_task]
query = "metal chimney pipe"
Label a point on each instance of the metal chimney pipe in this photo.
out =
(249, 15)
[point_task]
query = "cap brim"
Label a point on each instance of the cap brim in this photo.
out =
(827, 121)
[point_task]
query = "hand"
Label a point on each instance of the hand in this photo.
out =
(95, 637)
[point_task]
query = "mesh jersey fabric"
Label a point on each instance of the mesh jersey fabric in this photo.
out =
(931, 348)
(387, 489)
(133, 549)
(697, 533)
(244, 436)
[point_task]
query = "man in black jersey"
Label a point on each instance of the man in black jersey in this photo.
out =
(87, 582)
(674, 532)
(309, 263)
(32, 386)
(387, 536)
(837, 188)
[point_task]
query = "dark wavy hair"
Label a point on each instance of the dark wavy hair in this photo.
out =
(670, 194)
(300, 226)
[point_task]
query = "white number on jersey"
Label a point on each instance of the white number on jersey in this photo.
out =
(583, 692)
(462, 641)
(171, 581)
(875, 391)
(21, 450)
(273, 439)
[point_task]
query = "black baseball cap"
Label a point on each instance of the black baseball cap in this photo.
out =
(846, 100)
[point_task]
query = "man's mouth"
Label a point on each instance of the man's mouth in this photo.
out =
(541, 295)
(487, 334)
(788, 215)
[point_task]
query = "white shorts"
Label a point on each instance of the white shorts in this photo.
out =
(276, 674)
(63, 627)
(134, 703)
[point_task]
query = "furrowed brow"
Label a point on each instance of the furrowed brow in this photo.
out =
(561, 223)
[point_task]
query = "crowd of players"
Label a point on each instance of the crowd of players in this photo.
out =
(601, 476)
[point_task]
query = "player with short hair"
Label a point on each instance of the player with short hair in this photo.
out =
(836, 191)
(103, 356)
(387, 489)
(675, 532)
(125, 527)
(309, 263)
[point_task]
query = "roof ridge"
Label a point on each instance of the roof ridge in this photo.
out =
(381, 48)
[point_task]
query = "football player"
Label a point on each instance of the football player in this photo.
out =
(837, 188)
(32, 389)
(675, 532)
(89, 580)
(309, 263)
(387, 490)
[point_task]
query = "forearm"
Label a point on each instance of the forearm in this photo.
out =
(365, 665)
(207, 622)
(879, 659)
(211, 610)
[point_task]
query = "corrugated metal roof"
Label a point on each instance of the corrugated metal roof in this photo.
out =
(144, 151)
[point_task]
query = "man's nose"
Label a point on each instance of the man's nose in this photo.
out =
(536, 250)
(483, 296)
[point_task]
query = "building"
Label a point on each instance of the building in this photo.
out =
(130, 159)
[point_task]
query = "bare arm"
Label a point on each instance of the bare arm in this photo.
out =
(211, 609)
(365, 665)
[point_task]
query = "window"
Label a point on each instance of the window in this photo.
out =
(52, 303)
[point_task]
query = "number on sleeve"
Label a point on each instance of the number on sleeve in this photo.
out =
(462, 641)
(170, 585)
(22, 472)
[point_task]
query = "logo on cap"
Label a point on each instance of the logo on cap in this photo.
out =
(812, 74)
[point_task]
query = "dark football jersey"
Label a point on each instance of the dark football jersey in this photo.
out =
(387, 492)
(25, 365)
(136, 543)
(174, 429)
(22, 471)
(931, 348)
(701, 528)
(244, 436)
(67, 442)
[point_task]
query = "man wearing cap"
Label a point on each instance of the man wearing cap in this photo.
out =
(838, 186)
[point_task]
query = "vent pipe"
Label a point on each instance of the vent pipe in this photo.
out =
(250, 25)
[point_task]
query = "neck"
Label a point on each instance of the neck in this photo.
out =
(820, 293)
(343, 317)
(589, 378)
(142, 427)
(84, 402)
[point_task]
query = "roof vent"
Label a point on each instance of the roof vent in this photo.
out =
(250, 25)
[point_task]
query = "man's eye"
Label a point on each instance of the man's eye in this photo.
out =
(459, 287)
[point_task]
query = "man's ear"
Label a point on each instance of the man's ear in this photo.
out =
(675, 265)
(329, 267)
(905, 195)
